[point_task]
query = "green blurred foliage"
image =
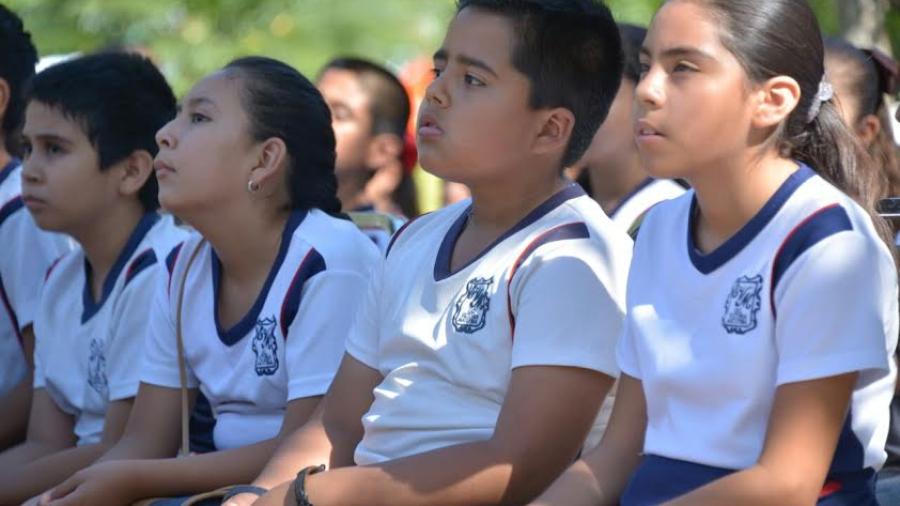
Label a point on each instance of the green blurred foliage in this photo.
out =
(189, 38)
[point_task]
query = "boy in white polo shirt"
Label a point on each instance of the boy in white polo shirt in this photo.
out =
(89, 145)
(477, 366)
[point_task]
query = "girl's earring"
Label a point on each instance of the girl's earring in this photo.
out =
(252, 186)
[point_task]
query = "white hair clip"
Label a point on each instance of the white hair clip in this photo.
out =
(826, 93)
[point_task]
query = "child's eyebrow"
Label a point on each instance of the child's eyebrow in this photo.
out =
(442, 54)
(47, 137)
(680, 51)
(200, 101)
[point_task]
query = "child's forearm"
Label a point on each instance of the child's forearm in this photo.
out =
(307, 446)
(202, 473)
(15, 405)
(577, 486)
(471, 473)
(756, 486)
(19, 483)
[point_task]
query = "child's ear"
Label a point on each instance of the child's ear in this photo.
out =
(555, 130)
(383, 149)
(136, 169)
(4, 97)
(868, 129)
(266, 174)
(775, 100)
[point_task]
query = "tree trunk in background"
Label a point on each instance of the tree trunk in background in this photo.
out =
(862, 22)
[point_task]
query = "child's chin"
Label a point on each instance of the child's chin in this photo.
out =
(169, 204)
(47, 223)
(437, 166)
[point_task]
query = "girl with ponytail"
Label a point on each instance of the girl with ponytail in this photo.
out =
(762, 305)
(862, 78)
(270, 282)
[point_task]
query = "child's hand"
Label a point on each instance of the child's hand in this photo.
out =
(104, 483)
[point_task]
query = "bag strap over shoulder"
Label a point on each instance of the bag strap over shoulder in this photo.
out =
(182, 366)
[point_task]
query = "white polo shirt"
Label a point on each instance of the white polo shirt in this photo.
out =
(288, 346)
(550, 291)
(649, 193)
(27, 254)
(86, 349)
(805, 290)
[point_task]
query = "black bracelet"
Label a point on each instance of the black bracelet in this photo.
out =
(245, 489)
(300, 484)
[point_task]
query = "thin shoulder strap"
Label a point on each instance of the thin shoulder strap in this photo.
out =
(182, 368)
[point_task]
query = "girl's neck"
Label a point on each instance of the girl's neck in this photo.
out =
(730, 195)
(613, 182)
(104, 239)
(246, 241)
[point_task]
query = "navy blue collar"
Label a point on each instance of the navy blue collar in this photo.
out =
(90, 306)
(643, 184)
(706, 263)
(445, 253)
(240, 329)
(10, 167)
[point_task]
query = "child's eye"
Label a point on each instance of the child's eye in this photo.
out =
(340, 113)
(473, 81)
(436, 72)
(26, 149)
(198, 118)
(683, 67)
(54, 149)
(643, 68)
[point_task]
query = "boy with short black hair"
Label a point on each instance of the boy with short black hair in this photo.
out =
(477, 365)
(89, 142)
(370, 111)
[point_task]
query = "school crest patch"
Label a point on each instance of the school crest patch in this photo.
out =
(97, 368)
(471, 307)
(742, 305)
(265, 347)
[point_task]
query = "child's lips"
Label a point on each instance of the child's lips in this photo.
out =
(162, 167)
(429, 127)
(33, 202)
(644, 128)
(430, 131)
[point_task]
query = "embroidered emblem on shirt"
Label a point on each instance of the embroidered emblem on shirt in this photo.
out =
(265, 347)
(97, 368)
(470, 309)
(742, 305)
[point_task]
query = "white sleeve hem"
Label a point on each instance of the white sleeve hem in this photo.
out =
(606, 368)
(25, 313)
(309, 386)
(816, 367)
(158, 377)
(369, 359)
(124, 390)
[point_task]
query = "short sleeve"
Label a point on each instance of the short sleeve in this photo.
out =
(362, 340)
(833, 310)
(39, 380)
(626, 354)
(567, 311)
(316, 338)
(129, 329)
(160, 366)
(28, 253)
